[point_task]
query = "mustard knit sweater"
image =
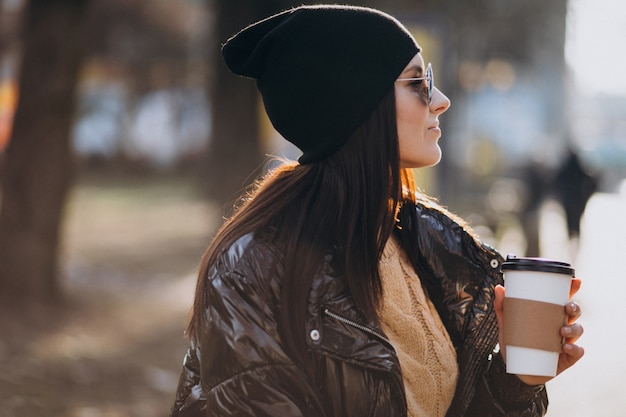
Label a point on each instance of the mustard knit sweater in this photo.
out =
(424, 349)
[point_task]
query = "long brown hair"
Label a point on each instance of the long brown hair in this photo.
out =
(345, 203)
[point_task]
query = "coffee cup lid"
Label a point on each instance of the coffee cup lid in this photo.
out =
(514, 263)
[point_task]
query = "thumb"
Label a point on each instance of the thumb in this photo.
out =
(499, 301)
(498, 305)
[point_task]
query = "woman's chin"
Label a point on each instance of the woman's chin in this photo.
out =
(423, 161)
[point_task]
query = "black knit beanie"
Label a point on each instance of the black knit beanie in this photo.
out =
(321, 70)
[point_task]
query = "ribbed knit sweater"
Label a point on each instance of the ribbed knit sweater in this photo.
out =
(410, 320)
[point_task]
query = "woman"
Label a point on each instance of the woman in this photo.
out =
(337, 289)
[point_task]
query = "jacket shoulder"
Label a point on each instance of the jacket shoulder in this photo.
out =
(453, 233)
(251, 258)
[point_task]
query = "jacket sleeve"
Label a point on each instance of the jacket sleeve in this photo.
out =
(190, 399)
(504, 395)
(239, 366)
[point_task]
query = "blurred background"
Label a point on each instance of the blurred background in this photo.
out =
(124, 142)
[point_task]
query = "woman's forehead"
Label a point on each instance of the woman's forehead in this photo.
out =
(415, 65)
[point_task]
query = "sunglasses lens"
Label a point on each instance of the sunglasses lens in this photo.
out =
(430, 90)
(431, 83)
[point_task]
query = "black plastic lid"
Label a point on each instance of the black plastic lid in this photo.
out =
(514, 263)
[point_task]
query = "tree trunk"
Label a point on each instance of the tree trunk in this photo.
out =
(38, 160)
(235, 154)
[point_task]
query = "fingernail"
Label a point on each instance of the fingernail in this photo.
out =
(567, 331)
(573, 307)
(568, 347)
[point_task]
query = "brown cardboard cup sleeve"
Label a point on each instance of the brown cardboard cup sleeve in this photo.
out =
(533, 324)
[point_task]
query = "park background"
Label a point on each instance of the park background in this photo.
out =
(124, 141)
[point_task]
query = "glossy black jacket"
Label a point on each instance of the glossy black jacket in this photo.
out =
(239, 366)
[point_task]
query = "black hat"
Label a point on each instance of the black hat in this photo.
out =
(321, 70)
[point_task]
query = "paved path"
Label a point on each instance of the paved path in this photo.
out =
(594, 387)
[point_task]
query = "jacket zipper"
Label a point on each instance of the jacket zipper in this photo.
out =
(358, 326)
(397, 378)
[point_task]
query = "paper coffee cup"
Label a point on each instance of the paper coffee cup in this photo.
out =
(537, 290)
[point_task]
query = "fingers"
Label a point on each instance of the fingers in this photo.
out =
(573, 311)
(573, 330)
(572, 333)
(571, 354)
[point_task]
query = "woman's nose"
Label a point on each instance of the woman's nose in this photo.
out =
(440, 102)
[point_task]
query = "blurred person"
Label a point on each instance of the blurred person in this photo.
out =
(337, 288)
(573, 187)
(536, 178)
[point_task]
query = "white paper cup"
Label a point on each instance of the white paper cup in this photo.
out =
(537, 290)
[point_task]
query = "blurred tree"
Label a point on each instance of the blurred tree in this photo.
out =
(8, 35)
(37, 169)
(234, 150)
(132, 40)
(235, 154)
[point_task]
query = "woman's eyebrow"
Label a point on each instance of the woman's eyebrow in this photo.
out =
(418, 70)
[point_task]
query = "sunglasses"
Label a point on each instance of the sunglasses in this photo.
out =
(428, 76)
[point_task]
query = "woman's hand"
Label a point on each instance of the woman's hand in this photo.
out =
(571, 332)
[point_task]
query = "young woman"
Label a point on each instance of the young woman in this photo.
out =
(337, 289)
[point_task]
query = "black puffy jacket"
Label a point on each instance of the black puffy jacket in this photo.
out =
(239, 366)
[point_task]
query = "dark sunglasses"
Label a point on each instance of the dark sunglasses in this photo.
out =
(427, 77)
